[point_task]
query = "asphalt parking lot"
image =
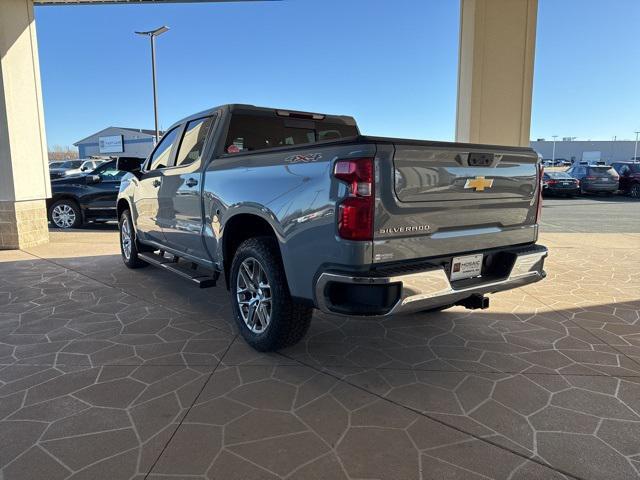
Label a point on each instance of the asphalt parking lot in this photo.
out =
(591, 214)
(116, 374)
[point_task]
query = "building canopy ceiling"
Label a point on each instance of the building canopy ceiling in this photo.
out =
(98, 2)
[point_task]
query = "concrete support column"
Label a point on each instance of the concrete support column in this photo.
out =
(495, 76)
(24, 170)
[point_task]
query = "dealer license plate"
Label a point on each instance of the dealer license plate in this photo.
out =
(468, 266)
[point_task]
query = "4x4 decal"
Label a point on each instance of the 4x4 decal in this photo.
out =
(303, 158)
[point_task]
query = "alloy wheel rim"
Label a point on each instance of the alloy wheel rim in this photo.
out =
(63, 216)
(635, 191)
(125, 239)
(253, 293)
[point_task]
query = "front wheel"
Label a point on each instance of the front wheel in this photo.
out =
(635, 191)
(128, 243)
(266, 315)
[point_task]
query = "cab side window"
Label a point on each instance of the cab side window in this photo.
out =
(162, 154)
(193, 141)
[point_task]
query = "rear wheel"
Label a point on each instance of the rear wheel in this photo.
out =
(266, 315)
(635, 191)
(129, 247)
(65, 214)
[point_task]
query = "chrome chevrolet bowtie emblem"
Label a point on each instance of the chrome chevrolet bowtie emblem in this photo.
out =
(479, 183)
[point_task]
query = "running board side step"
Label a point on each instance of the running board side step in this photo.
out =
(173, 265)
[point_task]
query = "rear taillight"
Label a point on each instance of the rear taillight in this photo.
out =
(590, 178)
(539, 209)
(355, 212)
(552, 182)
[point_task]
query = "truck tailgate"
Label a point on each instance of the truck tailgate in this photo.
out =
(453, 198)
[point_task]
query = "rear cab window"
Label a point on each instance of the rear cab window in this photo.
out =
(602, 171)
(557, 175)
(253, 130)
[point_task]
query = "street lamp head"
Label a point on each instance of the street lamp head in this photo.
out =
(154, 33)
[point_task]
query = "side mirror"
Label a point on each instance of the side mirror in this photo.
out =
(128, 164)
(93, 179)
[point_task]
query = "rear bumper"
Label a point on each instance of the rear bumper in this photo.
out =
(405, 293)
(609, 187)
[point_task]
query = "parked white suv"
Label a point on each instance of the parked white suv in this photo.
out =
(87, 166)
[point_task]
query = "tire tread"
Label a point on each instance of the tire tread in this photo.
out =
(134, 261)
(293, 319)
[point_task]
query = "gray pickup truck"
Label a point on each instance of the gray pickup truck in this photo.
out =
(300, 211)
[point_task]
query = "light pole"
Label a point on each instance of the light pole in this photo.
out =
(553, 155)
(152, 34)
(635, 149)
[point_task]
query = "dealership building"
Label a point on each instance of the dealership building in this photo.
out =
(607, 150)
(117, 141)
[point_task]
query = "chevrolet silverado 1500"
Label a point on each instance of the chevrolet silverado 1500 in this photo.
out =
(298, 211)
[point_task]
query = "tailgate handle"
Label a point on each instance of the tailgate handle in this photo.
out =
(480, 159)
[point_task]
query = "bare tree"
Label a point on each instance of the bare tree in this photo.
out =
(59, 152)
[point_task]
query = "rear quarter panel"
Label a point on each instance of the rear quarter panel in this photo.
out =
(293, 190)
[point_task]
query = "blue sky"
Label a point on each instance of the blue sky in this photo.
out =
(391, 64)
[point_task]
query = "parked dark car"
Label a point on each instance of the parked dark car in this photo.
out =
(560, 183)
(629, 173)
(595, 178)
(57, 169)
(82, 198)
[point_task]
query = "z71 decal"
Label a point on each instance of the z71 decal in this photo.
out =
(303, 158)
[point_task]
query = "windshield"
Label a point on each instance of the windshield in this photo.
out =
(602, 171)
(105, 166)
(558, 175)
(69, 164)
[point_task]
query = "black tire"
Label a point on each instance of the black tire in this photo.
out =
(65, 214)
(634, 191)
(289, 320)
(130, 258)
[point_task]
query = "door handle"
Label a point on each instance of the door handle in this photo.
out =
(192, 182)
(156, 183)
